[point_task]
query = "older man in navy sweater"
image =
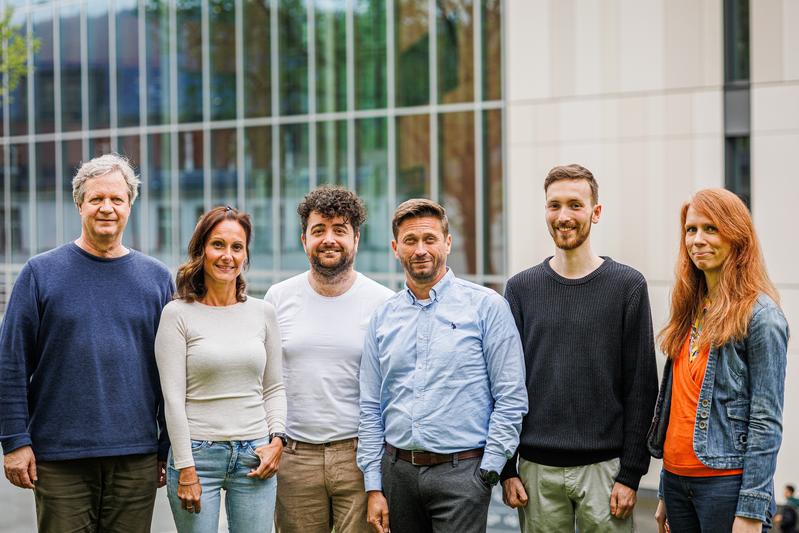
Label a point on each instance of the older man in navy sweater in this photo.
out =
(79, 391)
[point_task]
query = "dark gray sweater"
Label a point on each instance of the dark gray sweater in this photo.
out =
(591, 374)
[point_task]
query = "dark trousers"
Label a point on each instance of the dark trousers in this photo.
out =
(701, 504)
(446, 498)
(97, 495)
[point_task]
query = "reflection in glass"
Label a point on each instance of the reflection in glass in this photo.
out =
(370, 54)
(258, 174)
(160, 189)
(372, 185)
(99, 75)
(331, 55)
(492, 49)
(413, 157)
(43, 73)
(413, 53)
(223, 168)
(493, 194)
(190, 61)
(157, 43)
(257, 58)
(190, 179)
(69, 35)
(456, 175)
(18, 99)
(127, 72)
(71, 157)
(222, 50)
(19, 230)
(331, 152)
(293, 46)
(129, 147)
(45, 196)
(455, 51)
(293, 186)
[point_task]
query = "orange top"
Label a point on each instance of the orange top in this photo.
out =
(678, 452)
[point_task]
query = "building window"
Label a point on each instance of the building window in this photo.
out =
(737, 98)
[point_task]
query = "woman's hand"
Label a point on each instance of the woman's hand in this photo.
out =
(270, 459)
(746, 525)
(189, 489)
(660, 518)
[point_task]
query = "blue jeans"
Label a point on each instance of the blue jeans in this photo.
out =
(249, 501)
(701, 504)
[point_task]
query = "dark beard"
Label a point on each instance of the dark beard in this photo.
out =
(333, 271)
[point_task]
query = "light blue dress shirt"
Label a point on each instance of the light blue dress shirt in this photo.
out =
(442, 375)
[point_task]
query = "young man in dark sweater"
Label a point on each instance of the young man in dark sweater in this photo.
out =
(586, 328)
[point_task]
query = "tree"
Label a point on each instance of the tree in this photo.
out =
(13, 54)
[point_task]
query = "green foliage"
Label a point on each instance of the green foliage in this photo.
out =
(13, 54)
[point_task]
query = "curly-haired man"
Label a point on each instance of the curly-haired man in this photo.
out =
(323, 315)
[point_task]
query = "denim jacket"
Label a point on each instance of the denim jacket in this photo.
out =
(739, 414)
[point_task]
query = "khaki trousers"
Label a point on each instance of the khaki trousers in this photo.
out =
(108, 494)
(319, 486)
(560, 498)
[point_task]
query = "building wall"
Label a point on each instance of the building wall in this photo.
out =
(633, 90)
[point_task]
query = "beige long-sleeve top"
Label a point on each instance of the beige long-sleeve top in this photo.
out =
(221, 373)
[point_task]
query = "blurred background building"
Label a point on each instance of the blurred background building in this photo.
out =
(470, 102)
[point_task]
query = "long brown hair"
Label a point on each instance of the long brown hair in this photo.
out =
(190, 279)
(743, 277)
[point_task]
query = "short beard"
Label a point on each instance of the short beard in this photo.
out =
(334, 271)
(570, 244)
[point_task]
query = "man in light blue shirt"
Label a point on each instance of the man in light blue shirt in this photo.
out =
(442, 389)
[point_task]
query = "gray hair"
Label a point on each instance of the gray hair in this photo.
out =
(100, 166)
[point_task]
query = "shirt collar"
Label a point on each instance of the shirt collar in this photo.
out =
(436, 291)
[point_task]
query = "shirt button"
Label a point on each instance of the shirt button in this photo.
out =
(702, 425)
(703, 414)
(705, 403)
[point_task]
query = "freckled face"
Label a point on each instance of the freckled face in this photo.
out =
(706, 247)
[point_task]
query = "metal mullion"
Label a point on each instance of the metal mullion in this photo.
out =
(84, 80)
(275, 75)
(433, 59)
(173, 139)
(205, 51)
(241, 197)
(112, 73)
(312, 103)
(32, 132)
(391, 124)
(479, 178)
(350, 58)
(59, 164)
(6, 187)
(144, 151)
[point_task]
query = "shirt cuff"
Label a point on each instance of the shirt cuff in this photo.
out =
(17, 441)
(493, 462)
(373, 480)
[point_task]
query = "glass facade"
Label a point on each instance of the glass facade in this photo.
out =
(252, 103)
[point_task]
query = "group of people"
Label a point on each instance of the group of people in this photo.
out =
(336, 403)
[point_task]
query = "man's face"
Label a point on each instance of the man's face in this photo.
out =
(105, 208)
(569, 213)
(422, 248)
(330, 244)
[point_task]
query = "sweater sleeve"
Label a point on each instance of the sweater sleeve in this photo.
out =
(274, 391)
(640, 386)
(511, 466)
(170, 354)
(17, 346)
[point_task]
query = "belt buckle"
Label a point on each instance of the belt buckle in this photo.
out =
(413, 459)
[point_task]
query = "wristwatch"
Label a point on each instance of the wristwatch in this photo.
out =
(281, 436)
(490, 477)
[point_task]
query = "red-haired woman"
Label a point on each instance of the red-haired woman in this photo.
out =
(718, 419)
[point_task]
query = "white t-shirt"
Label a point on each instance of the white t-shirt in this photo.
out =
(322, 341)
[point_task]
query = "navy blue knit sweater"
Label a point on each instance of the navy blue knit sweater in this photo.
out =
(77, 367)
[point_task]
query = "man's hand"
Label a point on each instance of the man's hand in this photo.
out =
(161, 474)
(622, 501)
(660, 518)
(513, 493)
(20, 467)
(746, 525)
(270, 459)
(377, 511)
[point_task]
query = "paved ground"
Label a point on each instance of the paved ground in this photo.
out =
(17, 513)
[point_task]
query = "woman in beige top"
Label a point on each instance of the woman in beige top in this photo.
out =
(219, 358)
